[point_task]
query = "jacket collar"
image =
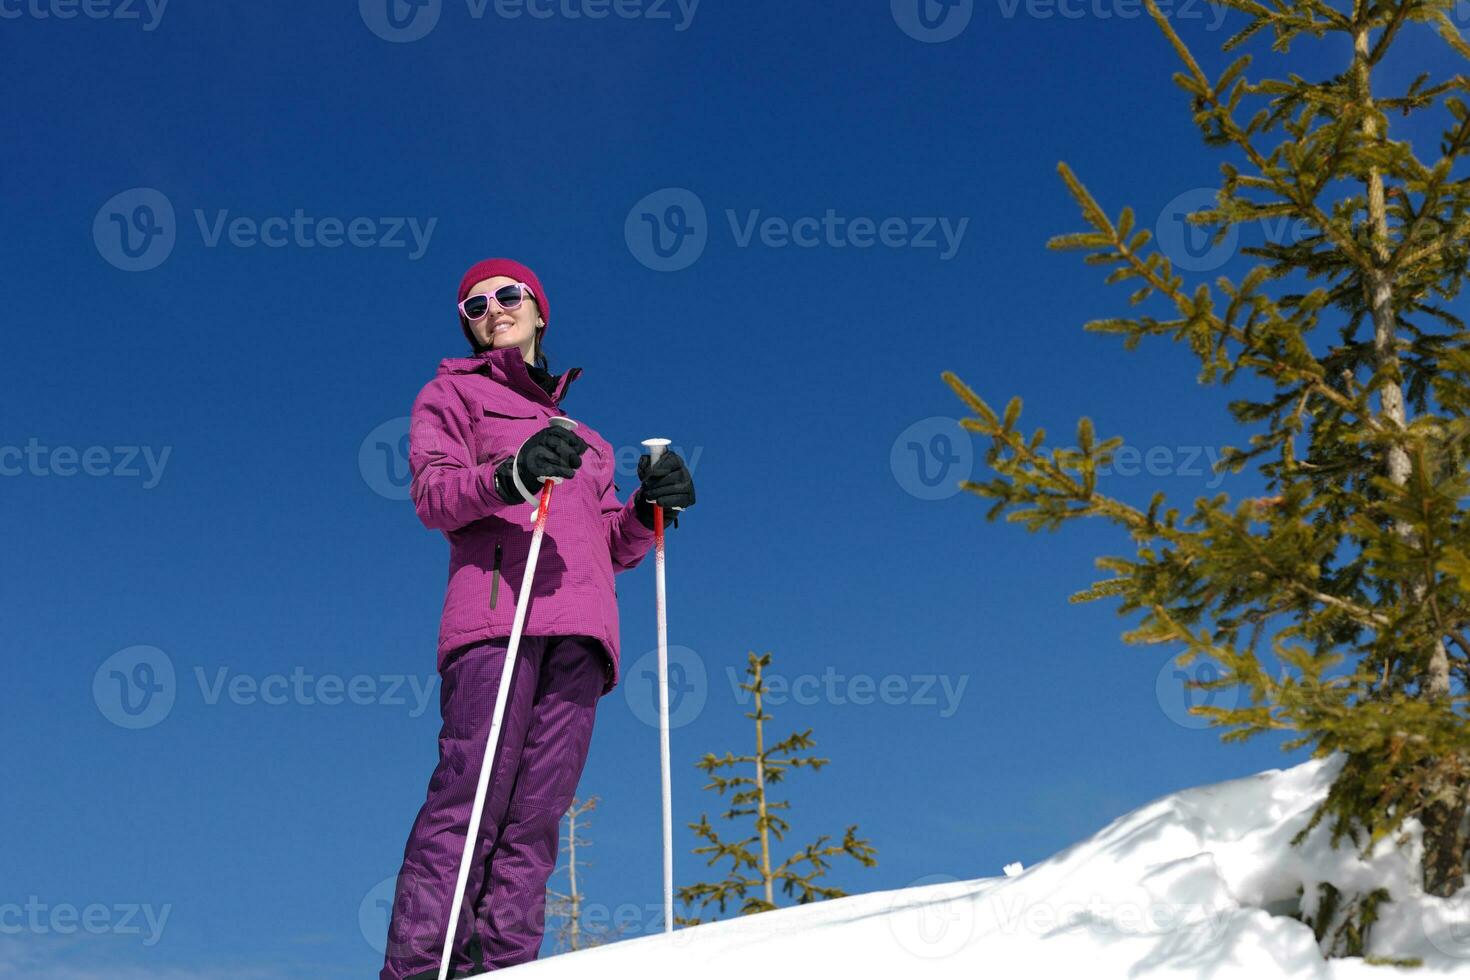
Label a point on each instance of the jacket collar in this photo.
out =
(507, 366)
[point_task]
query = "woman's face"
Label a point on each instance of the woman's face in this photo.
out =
(506, 328)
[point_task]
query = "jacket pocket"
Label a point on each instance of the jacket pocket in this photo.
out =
(501, 428)
(495, 576)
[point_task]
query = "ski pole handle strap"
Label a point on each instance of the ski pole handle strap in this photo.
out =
(515, 471)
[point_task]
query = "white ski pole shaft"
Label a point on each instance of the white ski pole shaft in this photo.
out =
(492, 740)
(655, 450)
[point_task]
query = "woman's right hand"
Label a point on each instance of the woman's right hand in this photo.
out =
(554, 451)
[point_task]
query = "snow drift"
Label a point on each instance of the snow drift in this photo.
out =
(1199, 884)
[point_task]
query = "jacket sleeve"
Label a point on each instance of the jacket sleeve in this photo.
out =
(627, 539)
(449, 488)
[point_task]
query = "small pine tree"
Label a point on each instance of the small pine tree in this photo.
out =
(752, 878)
(568, 908)
(1361, 551)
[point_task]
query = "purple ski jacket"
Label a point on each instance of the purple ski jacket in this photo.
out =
(475, 413)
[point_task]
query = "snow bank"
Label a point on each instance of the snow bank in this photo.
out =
(1196, 884)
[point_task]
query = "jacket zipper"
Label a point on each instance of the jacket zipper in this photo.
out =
(495, 576)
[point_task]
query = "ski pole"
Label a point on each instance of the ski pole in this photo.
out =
(492, 741)
(655, 450)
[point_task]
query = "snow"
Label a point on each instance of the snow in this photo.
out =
(1195, 884)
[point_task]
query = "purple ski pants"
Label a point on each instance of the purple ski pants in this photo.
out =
(544, 737)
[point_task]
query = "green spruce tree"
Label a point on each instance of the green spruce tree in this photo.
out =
(1356, 564)
(752, 878)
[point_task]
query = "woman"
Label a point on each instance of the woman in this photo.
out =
(480, 449)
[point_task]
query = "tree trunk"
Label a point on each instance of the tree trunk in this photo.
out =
(1443, 863)
(760, 783)
(576, 900)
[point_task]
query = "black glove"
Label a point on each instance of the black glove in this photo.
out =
(553, 451)
(666, 483)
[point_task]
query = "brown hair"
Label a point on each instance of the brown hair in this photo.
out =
(540, 355)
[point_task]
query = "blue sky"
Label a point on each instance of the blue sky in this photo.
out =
(202, 424)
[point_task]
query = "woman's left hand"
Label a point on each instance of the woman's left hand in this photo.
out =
(667, 483)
